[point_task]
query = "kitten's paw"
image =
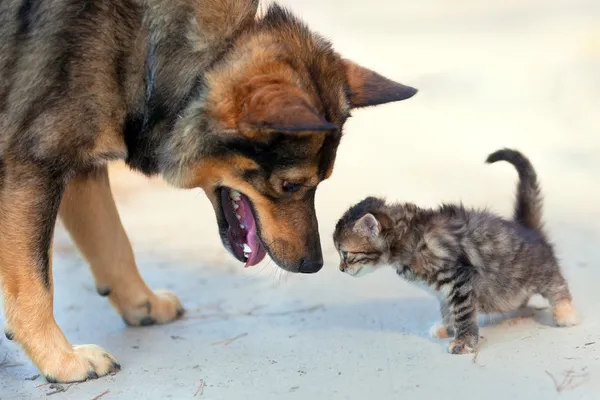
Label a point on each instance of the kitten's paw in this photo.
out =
(458, 346)
(441, 331)
(564, 314)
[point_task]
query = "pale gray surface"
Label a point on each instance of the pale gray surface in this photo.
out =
(520, 73)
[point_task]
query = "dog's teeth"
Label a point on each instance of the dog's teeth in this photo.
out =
(235, 206)
(235, 196)
(247, 248)
(238, 217)
(242, 226)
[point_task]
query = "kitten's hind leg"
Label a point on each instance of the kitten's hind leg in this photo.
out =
(464, 314)
(559, 296)
(443, 329)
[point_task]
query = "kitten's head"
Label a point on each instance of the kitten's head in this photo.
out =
(360, 237)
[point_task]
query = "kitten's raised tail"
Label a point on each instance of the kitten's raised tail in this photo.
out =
(528, 208)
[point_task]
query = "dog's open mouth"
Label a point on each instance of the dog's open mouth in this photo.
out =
(242, 231)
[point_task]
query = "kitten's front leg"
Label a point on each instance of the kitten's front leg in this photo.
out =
(443, 329)
(464, 314)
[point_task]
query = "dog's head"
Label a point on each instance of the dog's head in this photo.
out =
(278, 101)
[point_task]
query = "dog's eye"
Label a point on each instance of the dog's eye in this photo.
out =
(290, 187)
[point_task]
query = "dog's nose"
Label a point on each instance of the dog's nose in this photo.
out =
(310, 266)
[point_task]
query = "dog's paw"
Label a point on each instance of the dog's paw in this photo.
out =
(441, 331)
(84, 362)
(458, 346)
(564, 314)
(162, 307)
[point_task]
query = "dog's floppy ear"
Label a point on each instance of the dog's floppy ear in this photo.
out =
(368, 88)
(283, 110)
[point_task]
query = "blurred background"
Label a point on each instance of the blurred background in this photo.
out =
(491, 74)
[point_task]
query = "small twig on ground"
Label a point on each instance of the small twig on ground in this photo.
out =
(206, 316)
(13, 365)
(43, 384)
(556, 385)
(567, 382)
(5, 364)
(481, 341)
(589, 343)
(101, 394)
(224, 316)
(211, 307)
(298, 311)
(252, 313)
(33, 377)
(227, 342)
(200, 390)
(58, 389)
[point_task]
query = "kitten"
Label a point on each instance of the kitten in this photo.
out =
(475, 261)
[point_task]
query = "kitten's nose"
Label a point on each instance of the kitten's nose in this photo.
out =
(342, 267)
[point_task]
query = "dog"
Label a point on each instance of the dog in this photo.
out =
(207, 94)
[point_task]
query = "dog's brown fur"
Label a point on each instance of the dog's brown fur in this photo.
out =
(202, 92)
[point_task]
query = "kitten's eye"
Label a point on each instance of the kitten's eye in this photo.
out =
(344, 255)
(290, 187)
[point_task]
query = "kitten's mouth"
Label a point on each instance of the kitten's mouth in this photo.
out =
(361, 271)
(242, 231)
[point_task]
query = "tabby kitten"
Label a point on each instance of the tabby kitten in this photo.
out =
(475, 261)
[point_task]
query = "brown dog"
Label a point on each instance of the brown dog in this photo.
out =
(203, 92)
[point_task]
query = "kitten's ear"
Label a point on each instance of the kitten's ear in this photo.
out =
(368, 88)
(368, 226)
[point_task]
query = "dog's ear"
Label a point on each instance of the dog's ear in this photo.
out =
(279, 109)
(368, 226)
(368, 88)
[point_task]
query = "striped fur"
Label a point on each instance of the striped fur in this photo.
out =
(528, 207)
(474, 261)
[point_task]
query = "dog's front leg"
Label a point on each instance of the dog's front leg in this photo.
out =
(90, 215)
(29, 201)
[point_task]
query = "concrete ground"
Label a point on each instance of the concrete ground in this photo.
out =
(518, 73)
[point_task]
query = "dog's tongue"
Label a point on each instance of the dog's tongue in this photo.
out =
(257, 251)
